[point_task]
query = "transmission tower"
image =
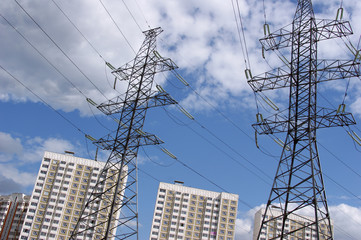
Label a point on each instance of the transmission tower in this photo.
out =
(111, 212)
(298, 186)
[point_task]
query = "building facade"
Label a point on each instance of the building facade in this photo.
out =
(189, 213)
(294, 222)
(13, 209)
(61, 189)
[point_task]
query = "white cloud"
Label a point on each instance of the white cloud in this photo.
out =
(8, 186)
(8, 144)
(16, 152)
(23, 178)
(244, 224)
(200, 36)
(35, 148)
(356, 106)
(346, 220)
(244, 228)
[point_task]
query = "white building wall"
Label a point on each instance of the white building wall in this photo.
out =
(63, 185)
(189, 213)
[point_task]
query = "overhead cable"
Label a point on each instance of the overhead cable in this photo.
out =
(60, 49)
(41, 99)
(131, 14)
(116, 26)
(72, 23)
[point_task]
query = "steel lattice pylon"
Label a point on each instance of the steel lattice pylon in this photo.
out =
(111, 211)
(298, 186)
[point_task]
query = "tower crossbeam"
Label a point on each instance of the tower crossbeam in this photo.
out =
(325, 29)
(324, 118)
(327, 70)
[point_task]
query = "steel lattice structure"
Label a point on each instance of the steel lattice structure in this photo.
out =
(298, 185)
(111, 211)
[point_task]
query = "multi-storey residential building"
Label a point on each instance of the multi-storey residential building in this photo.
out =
(294, 222)
(63, 185)
(12, 213)
(189, 213)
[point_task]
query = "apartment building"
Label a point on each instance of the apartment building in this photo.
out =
(13, 209)
(189, 213)
(294, 222)
(63, 185)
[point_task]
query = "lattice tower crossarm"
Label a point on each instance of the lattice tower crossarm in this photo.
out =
(298, 186)
(111, 211)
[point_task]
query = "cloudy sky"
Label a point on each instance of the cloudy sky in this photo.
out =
(55, 52)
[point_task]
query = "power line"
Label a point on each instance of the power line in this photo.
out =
(243, 35)
(72, 23)
(337, 158)
(131, 14)
(344, 188)
(59, 48)
(41, 99)
(51, 64)
(43, 56)
(179, 77)
(116, 26)
(150, 159)
(239, 32)
(141, 11)
(221, 150)
(148, 174)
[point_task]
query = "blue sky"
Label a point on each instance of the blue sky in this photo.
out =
(201, 37)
